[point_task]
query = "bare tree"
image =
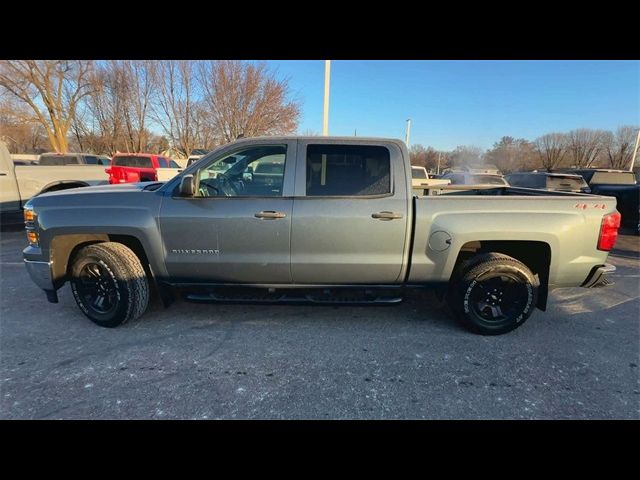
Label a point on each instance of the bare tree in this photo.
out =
(424, 157)
(551, 149)
(584, 146)
(141, 76)
(18, 129)
(247, 99)
(52, 89)
(465, 155)
(510, 154)
(176, 103)
(619, 146)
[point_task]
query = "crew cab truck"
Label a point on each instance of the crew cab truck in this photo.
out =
(18, 183)
(334, 222)
(141, 167)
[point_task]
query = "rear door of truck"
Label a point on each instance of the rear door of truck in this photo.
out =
(351, 213)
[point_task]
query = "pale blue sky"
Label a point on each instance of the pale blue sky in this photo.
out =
(465, 102)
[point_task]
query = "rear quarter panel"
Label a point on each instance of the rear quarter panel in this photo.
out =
(571, 232)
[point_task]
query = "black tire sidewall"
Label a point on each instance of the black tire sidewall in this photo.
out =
(112, 319)
(469, 281)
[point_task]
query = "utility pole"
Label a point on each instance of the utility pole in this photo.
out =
(408, 132)
(635, 152)
(325, 111)
(438, 169)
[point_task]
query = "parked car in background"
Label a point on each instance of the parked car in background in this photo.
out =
(621, 184)
(422, 182)
(19, 183)
(141, 167)
(562, 182)
(196, 154)
(479, 179)
(322, 219)
(59, 159)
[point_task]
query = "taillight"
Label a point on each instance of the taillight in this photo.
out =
(609, 231)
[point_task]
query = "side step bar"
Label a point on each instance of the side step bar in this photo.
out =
(295, 297)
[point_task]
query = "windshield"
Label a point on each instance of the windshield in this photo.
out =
(485, 180)
(557, 182)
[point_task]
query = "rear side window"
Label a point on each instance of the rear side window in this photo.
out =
(90, 160)
(163, 162)
(59, 160)
(348, 170)
(617, 178)
(132, 161)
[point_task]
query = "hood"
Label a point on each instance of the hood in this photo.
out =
(99, 195)
(122, 187)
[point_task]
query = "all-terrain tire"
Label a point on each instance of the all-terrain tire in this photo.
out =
(493, 293)
(120, 281)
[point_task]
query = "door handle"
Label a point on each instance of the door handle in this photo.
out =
(386, 215)
(270, 215)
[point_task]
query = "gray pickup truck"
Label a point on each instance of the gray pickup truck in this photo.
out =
(316, 219)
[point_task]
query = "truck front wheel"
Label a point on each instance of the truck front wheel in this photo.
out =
(109, 284)
(493, 294)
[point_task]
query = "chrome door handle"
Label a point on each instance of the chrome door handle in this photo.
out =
(270, 215)
(386, 215)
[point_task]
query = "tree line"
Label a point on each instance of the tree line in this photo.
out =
(117, 105)
(580, 148)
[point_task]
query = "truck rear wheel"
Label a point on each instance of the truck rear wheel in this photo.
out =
(109, 284)
(493, 294)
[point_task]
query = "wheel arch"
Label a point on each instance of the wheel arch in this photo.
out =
(62, 185)
(536, 255)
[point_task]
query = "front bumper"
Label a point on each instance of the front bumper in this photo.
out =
(598, 276)
(40, 273)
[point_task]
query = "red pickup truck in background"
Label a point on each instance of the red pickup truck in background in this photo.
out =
(141, 167)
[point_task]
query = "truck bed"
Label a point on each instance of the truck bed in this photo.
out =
(555, 222)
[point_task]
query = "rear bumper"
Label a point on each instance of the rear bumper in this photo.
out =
(598, 276)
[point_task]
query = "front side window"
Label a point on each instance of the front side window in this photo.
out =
(163, 162)
(348, 170)
(253, 172)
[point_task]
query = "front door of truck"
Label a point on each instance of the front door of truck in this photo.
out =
(9, 193)
(350, 214)
(237, 227)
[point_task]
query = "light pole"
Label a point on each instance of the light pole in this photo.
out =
(635, 152)
(408, 132)
(325, 110)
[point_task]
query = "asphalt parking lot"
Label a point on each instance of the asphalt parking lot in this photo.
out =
(578, 360)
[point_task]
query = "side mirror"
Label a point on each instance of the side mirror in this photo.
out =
(187, 186)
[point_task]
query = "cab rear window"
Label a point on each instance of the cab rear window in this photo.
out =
(59, 160)
(133, 161)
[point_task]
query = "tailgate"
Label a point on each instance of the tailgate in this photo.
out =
(166, 174)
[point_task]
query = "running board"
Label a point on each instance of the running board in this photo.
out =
(292, 297)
